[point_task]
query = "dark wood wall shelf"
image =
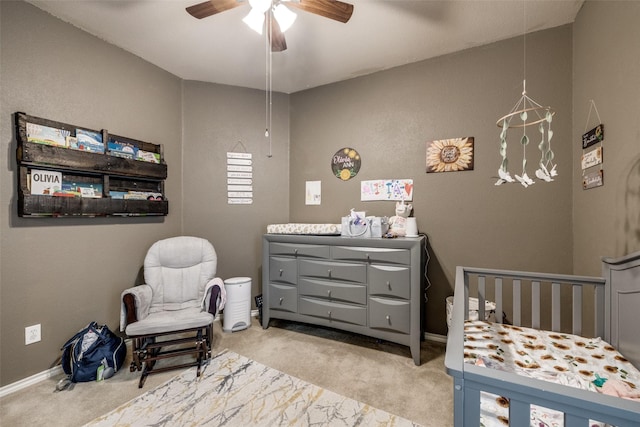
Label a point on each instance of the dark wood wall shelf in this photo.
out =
(107, 171)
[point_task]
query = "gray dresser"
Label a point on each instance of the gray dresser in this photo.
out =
(373, 287)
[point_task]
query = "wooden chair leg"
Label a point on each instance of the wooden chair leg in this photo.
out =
(136, 361)
(147, 350)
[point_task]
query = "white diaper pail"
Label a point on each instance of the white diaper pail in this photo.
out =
(237, 310)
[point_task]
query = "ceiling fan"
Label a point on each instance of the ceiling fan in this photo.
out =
(275, 13)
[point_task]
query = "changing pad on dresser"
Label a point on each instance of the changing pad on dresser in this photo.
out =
(296, 228)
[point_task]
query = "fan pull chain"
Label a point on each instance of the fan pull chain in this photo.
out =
(268, 80)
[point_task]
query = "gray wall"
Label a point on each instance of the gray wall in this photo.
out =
(63, 273)
(606, 68)
(219, 119)
(388, 117)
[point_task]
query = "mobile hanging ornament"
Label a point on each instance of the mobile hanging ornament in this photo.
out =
(546, 167)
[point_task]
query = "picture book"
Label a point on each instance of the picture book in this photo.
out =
(89, 141)
(117, 194)
(82, 189)
(142, 195)
(45, 182)
(122, 149)
(47, 135)
(148, 156)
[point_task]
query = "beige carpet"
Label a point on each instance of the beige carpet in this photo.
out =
(375, 372)
(235, 390)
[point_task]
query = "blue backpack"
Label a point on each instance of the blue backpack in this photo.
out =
(93, 353)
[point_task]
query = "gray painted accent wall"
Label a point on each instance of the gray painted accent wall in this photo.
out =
(219, 119)
(606, 69)
(389, 117)
(65, 272)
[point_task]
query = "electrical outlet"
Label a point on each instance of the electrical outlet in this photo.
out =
(32, 334)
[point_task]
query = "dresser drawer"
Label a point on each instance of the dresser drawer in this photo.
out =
(393, 315)
(310, 251)
(390, 280)
(351, 272)
(283, 270)
(282, 297)
(337, 291)
(333, 311)
(395, 256)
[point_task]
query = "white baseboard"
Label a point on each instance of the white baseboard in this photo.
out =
(33, 379)
(57, 370)
(435, 337)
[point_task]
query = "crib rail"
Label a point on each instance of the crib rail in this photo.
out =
(516, 280)
(526, 288)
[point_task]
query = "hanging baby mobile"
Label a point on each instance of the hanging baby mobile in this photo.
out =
(524, 114)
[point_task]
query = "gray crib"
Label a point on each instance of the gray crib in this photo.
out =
(521, 296)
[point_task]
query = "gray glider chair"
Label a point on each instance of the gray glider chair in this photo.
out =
(172, 313)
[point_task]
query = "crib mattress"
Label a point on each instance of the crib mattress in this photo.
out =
(299, 228)
(557, 357)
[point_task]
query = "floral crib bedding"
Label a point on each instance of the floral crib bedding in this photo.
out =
(586, 363)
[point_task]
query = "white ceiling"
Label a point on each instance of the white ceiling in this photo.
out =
(381, 34)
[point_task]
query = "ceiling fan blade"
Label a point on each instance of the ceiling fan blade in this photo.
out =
(276, 37)
(211, 7)
(332, 9)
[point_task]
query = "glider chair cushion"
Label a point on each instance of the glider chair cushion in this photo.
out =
(173, 306)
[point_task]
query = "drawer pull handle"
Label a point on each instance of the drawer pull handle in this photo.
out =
(388, 318)
(389, 285)
(280, 271)
(329, 313)
(281, 300)
(329, 272)
(329, 293)
(295, 251)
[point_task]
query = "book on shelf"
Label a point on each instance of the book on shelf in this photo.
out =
(47, 135)
(143, 195)
(148, 156)
(72, 142)
(45, 182)
(89, 141)
(83, 189)
(117, 194)
(121, 149)
(136, 195)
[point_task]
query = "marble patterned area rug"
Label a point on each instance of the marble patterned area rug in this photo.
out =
(236, 391)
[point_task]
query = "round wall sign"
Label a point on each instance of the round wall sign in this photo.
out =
(345, 164)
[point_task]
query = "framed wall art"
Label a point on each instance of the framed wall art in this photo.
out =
(345, 164)
(450, 155)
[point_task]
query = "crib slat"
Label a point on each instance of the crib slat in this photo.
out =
(517, 312)
(519, 413)
(535, 305)
(555, 307)
(481, 297)
(498, 298)
(575, 421)
(577, 310)
(471, 405)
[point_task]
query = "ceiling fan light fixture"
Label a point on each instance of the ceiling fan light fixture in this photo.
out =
(255, 20)
(284, 16)
(260, 5)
